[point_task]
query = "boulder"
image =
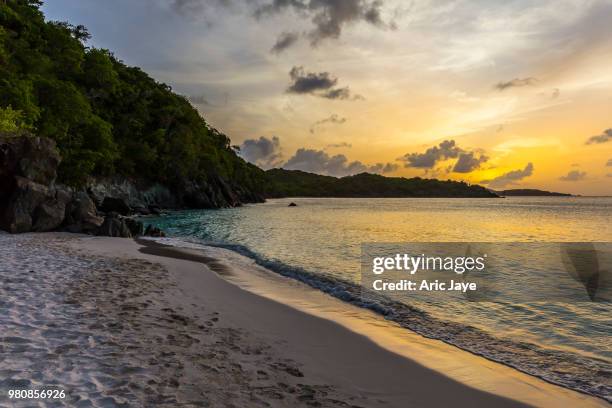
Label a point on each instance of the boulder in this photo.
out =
(141, 210)
(40, 160)
(292, 205)
(152, 231)
(81, 214)
(114, 226)
(137, 194)
(117, 205)
(51, 213)
(28, 156)
(136, 227)
(26, 198)
(155, 210)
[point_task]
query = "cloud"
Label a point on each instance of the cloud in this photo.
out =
(510, 178)
(329, 17)
(284, 41)
(338, 93)
(605, 137)
(317, 83)
(309, 82)
(266, 153)
(555, 94)
(263, 152)
(514, 83)
(383, 168)
(334, 119)
(196, 7)
(574, 175)
(318, 161)
(445, 150)
(469, 162)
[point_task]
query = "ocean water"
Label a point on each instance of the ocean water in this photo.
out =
(319, 242)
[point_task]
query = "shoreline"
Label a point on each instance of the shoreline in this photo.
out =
(529, 359)
(480, 376)
(115, 322)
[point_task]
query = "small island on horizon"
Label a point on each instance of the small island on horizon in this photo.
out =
(530, 192)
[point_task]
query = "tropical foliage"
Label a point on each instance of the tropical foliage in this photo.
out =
(295, 183)
(107, 118)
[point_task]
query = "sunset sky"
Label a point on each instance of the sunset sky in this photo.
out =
(517, 94)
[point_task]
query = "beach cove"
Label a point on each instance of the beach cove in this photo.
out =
(192, 322)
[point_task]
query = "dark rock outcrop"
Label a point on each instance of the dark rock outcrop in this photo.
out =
(81, 215)
(292, 205)
(152, 231)
(115, 204)
(29, 200)
(51, 213)
(136, 227)
(23, 202)
(114, 226)
(140, 197)
(28, 156)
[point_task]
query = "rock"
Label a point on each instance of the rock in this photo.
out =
(137, 194)
(113, 226)
(81, 214)
(26, 197)
(152, 231)
(154, 210)
(28, 156)
(141, 210)
(114, 204)
(136, 227)
(51, 213)
(292, 205)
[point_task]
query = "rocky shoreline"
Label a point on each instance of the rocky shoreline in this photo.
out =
(32, 201)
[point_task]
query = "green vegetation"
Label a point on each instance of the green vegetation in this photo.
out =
(295, 183)
(110, 119)
(11, 121)
(107, 118)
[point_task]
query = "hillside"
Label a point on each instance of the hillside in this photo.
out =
(295, 183)
(110, 120)
(120, 134)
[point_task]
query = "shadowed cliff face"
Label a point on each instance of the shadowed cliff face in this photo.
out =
(30, 200)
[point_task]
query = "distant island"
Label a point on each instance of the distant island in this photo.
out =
(530, 192)
(296, 183)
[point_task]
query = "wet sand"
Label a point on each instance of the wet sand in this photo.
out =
(159, 326)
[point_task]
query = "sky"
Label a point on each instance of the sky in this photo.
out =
(507, 94)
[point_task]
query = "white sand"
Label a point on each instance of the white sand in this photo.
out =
(112, 326)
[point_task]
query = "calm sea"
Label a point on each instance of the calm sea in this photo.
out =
(567, 343)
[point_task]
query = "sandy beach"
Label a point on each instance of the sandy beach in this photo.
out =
(119, 322)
